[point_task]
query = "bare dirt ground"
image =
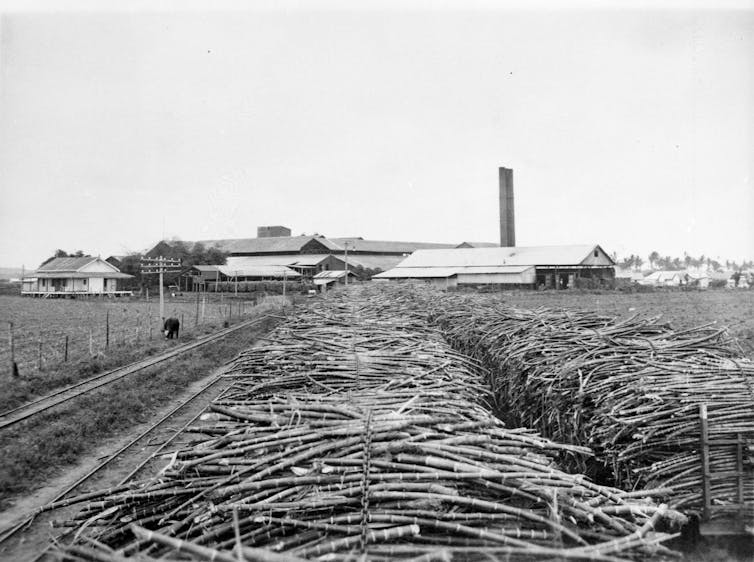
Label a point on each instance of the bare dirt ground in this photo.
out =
(29, 543)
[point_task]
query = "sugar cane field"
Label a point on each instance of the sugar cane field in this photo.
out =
(403, 423)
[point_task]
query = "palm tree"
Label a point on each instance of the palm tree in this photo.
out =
(653, 257)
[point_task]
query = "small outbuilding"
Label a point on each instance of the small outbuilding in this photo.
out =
(202, 277)
(628, 275)
(665, 279)
(332, 277)
(69, 277)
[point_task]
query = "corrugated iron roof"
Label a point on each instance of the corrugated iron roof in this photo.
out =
(272, 244)
(360, 245)
(278, 271)
(417, 272)
(66, 264)
(82, 274)
(309, 260)
(512, 269)
(478, 245)
(401, 272)
(531, 255)
(333, 274)
(279, 244)
(662, 276)
(303, 260)
(382, 263)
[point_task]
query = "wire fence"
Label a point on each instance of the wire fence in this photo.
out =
(42, 333)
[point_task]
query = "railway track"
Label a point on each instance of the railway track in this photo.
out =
(147, 447)
(25, 411)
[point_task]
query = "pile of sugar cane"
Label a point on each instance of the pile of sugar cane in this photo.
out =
(631, 390)
(356, 433)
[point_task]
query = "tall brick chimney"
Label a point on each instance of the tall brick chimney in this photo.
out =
(507, 215)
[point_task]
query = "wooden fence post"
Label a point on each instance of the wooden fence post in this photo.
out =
(39, 356)
(183, 326)
(107, 329)
(65, 353)
(704, 453)
(12, 349)
(91, 343)
(196, 317)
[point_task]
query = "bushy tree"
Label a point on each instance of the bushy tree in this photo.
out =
(364, 273)
(63, 254)
(196, 254)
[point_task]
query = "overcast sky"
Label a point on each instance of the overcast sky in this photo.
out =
(631, 128)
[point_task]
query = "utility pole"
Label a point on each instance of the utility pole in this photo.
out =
(162, 298)
(160, 265)
(345, 245)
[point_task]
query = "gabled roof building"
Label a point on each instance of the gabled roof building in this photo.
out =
(556, 267)
(307, 255)
(69, 277)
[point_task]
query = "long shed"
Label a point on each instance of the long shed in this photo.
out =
(547, 266)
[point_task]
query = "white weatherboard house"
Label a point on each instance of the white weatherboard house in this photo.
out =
(63, 277)
(548, 266)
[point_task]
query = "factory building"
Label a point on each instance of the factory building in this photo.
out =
(470, 263)
(272, 231)
(306, 255)
(552, 267)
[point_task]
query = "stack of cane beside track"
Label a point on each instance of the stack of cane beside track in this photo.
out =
(357, 432)
(635, 391)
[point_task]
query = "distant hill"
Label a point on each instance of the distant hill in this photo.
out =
(11, 272)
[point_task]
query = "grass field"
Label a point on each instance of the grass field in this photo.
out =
(683, 309)
(92, 326)
(39, 448)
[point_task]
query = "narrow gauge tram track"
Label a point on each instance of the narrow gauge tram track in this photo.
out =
(25, 411)
(216, 386)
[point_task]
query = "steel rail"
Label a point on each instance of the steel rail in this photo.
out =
(63, 395)
(27, 520)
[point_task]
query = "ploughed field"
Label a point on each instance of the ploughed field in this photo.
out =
(733, 309)
(40, 327)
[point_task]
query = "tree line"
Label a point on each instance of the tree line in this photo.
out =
(189, 254)
(657, 261)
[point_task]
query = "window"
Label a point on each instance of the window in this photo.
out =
(84, 282)
(596, 253)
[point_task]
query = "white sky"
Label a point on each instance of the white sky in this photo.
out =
(630, 128)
